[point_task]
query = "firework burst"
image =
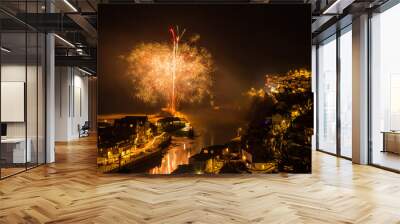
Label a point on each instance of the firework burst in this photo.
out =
(170, 73)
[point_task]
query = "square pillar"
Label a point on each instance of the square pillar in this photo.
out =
(360, 90)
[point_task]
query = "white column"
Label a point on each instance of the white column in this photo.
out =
(62, 103)
(50, 92)
(360, 90)
(50, 99)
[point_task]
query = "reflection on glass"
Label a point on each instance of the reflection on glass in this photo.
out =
(385, 84)
(327, 96)
(346, 94)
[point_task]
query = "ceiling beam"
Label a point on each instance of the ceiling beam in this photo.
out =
(76, 61)
(84, 24)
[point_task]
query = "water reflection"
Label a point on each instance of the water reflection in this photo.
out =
(178, 153)
(209, 130)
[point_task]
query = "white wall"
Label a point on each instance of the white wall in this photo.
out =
(33, 127)
(80, 110)
(71, 102)
(62, 81)
(15, 72)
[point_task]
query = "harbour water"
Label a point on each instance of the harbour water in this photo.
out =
(209, 129)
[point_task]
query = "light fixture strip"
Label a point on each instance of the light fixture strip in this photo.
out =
(5, 50)
(331, 6)
(84, 71)
(70, 5)
(64, 40)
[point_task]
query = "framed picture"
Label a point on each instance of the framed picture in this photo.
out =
(204, 88)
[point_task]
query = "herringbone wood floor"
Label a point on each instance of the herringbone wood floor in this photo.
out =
(71, 191)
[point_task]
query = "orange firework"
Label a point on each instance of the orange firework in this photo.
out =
(165, 73)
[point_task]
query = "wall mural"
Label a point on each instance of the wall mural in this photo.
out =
(204, 89)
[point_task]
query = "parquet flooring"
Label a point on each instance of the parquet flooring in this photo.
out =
(72, 191)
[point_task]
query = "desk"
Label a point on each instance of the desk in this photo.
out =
(391, 141)
(13, 150)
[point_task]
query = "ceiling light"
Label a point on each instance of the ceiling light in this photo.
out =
(64, 40)
(79, 51)
(70, 5)
(5, 50)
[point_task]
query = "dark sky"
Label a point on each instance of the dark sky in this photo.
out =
(246, 42)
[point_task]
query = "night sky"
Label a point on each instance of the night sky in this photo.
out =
(246, 42)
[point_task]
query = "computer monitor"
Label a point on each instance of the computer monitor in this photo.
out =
(3, 129)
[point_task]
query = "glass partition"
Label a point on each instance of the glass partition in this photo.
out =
(22, 88)
(14, 153)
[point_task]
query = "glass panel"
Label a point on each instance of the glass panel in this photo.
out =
(385, 84)
(31, 97)
(31, 86)
(22, 90)
(346, 94)
(13, 86)
(327, 96)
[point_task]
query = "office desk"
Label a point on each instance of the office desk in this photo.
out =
(391, 141)
(13, 150)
